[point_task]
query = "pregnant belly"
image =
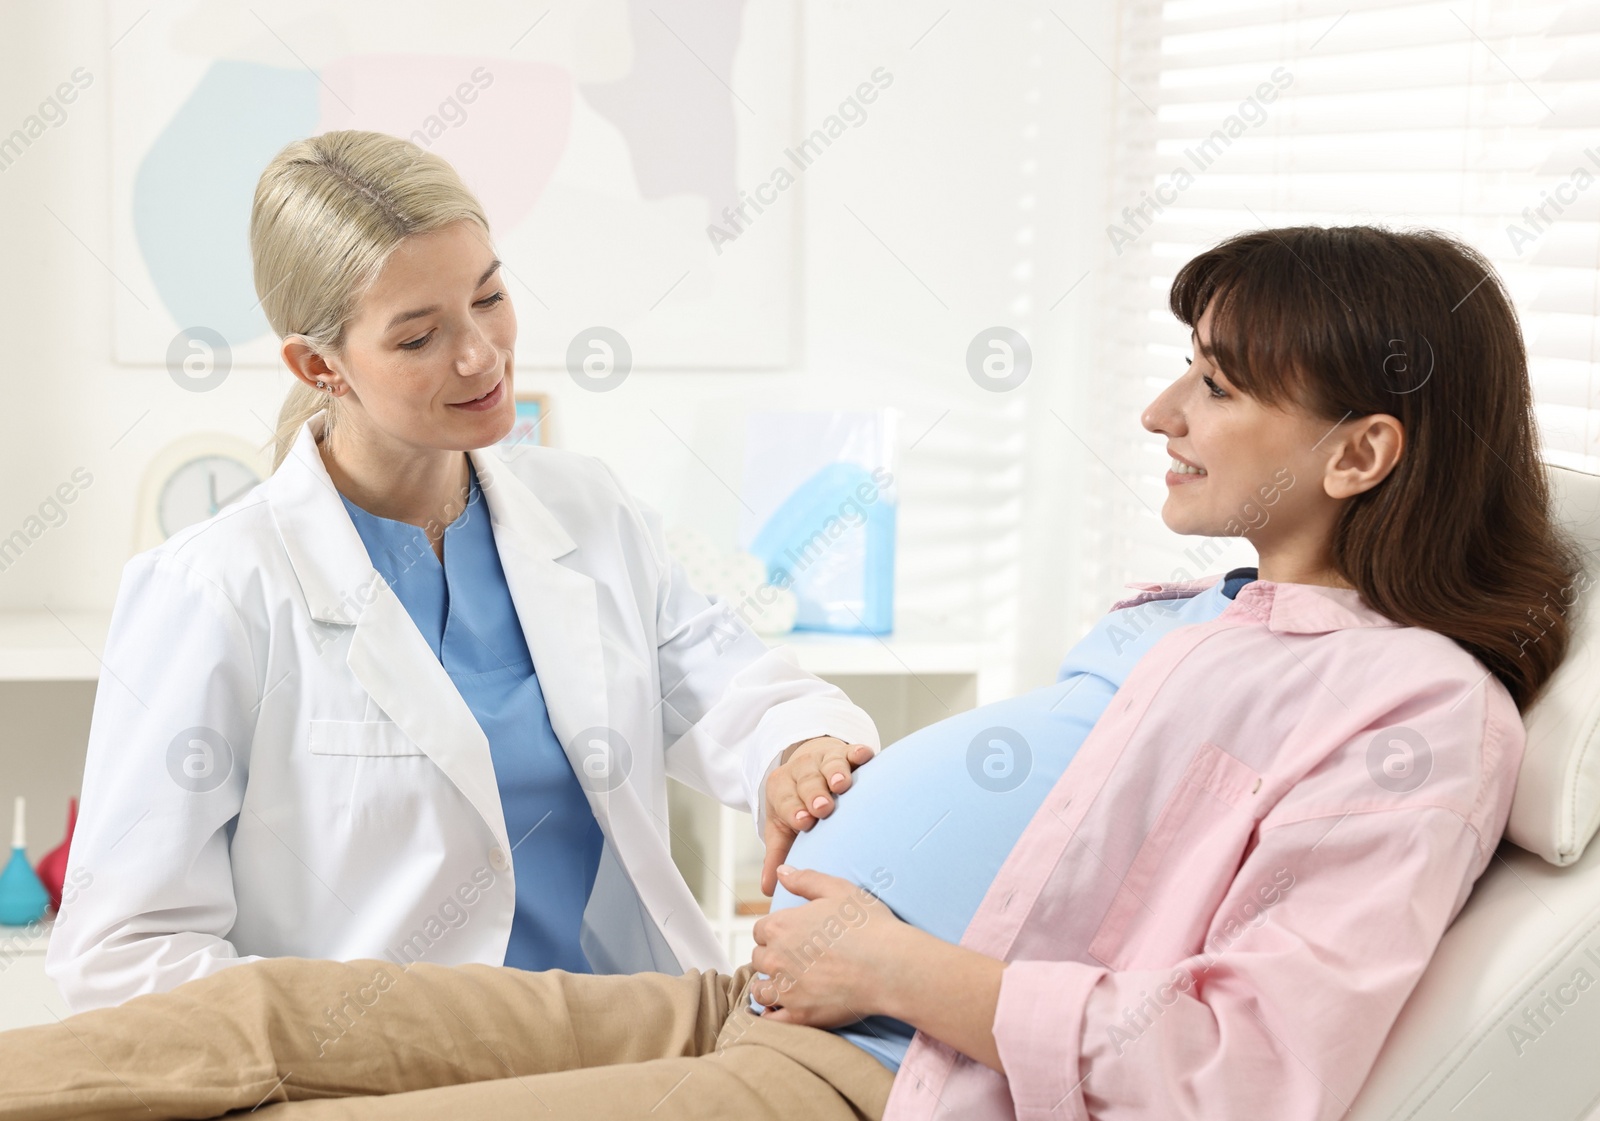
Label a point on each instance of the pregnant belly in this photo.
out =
(927, 824)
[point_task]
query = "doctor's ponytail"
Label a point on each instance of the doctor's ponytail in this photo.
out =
(328, 212)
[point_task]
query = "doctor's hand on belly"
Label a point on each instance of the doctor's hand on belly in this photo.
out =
(800, 791)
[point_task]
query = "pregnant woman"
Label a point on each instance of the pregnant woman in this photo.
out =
(1185, 881)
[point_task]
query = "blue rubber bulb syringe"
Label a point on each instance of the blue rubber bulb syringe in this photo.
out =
(23, 898)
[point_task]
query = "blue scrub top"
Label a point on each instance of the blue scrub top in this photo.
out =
(464, 610)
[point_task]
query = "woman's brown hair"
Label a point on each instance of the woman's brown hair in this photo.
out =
(1356, 320)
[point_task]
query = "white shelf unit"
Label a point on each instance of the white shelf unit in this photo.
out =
(52, 645)
(904, 681)
(49, 666)
(27, 996)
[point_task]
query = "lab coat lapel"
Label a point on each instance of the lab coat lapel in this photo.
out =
(395, 664)
(558, 609)
(388, 655)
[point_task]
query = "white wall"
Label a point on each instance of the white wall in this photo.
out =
(982, 169)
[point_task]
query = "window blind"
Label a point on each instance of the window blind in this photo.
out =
(1482, 118)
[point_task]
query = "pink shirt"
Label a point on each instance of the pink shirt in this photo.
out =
(1224, 902)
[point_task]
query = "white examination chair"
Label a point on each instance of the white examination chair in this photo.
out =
(1518, 953)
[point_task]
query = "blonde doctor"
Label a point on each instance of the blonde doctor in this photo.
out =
(415, 697)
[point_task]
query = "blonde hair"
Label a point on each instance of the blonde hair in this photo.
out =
(328, 212)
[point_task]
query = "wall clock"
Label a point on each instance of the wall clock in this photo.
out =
(190, 480)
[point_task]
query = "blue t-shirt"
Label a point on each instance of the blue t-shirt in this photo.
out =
(927, 824)
(465, 611)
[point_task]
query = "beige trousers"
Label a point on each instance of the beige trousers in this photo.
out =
(371, 1039)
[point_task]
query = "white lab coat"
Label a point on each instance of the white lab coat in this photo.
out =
(279, 765)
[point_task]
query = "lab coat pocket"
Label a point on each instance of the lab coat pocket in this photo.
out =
(1184, 867)
(360, 737)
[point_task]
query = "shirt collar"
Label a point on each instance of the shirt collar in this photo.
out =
(1286, 608)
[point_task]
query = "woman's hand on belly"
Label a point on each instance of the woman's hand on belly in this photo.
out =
(801, 790)
(845, 955)
(825, 959)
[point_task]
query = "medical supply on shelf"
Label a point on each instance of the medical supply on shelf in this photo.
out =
(52, 866)
(23, 898)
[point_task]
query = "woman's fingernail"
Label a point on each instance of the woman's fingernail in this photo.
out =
(837, 778)
(819, 802)
(800, 815)
(785, 869)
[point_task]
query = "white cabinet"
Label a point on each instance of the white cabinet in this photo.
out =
(49, 663)
(27, 996)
